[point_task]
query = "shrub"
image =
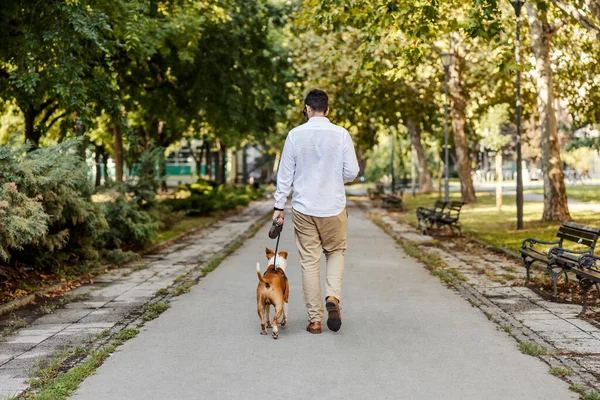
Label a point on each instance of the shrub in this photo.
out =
(144, 188)
(22, 220)
(57, 178)
(130, 227)
(204, 198)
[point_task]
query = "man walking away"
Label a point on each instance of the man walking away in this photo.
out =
(318, 159)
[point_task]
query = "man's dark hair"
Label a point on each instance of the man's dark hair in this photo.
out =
(317, 100)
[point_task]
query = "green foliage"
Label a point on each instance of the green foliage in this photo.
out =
(55, 178)
(130, 227)
(204, 198)
(145, 185)
(22, 220)
(490, 127)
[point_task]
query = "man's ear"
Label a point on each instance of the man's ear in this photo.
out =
(327, 111)
(283, 254)
(270, 253)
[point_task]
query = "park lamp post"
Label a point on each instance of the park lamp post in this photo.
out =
(447, 60)
(517, 5)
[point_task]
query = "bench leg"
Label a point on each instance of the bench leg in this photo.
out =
(585, 286)
(527, 267)
(555, 276)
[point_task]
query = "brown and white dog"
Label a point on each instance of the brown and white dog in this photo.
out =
(273, 290)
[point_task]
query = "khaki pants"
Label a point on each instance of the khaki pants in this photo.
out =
(314, 236)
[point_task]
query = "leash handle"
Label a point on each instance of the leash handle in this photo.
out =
(277, 245)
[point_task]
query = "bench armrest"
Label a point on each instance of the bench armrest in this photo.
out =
(588, 261)
(557, 251)
(529, 242)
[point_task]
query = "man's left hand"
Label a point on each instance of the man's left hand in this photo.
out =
(278, 216)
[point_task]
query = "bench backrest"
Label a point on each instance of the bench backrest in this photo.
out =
(439, 206)
(583, 235)
(454, 209)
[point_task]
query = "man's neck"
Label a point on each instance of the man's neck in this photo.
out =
(322, 115)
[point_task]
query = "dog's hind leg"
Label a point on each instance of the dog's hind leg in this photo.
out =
(286, 310)
(268, 315)
(278, 312)
(261, 315)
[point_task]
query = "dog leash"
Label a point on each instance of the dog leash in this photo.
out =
(275, 229)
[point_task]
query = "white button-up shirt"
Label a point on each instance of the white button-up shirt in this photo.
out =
(318, 159)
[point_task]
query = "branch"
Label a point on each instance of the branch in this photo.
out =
(44, 105)
(578, 16)
(56, 119)
(49, 113)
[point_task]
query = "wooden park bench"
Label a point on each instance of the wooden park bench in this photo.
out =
(424, 215)
(375, 194)
(559, 260)
(450, 218)
(392, 201)
(588, 275)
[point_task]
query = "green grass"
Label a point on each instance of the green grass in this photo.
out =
(532, 349)
(162, 292)
(183, 288)
(213, 265)
(139, 267)
(483, 220)
(184, 225)
(578, 387)
(14, 324)
(561, 371)
(591, 395)
(47, 308)
(63, 385)
(580, 192)
(154, 310)
(506, 328)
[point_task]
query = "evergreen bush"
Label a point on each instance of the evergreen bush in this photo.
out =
(22, 220)
(57, 179)
(130, 227)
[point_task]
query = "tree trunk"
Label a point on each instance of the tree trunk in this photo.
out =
(556, 207)
(79, 130)
(245, 165)
(425, 181)
(457, 112)
(98, 160)
(219, 178)
(199, 161)
(223, 164)
(30, 133)
(440, 174)
(499, 178)
(118, 149)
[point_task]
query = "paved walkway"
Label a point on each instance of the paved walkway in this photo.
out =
(114, 298)
(404, 336)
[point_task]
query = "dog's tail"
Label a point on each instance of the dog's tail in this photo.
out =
(260, 277)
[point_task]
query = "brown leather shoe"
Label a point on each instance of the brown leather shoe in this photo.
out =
(334, 318)
(314, 327)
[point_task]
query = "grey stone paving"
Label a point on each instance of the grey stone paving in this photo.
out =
(113, 298)
(495, 278)
(404, 336)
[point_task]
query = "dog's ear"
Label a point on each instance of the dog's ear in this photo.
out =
(270, 253)
(283, 254)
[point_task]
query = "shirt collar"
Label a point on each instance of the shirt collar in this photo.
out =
(318, 119)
